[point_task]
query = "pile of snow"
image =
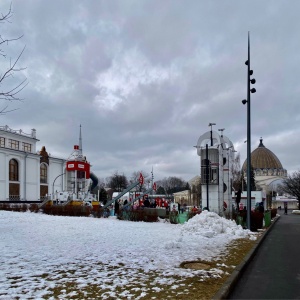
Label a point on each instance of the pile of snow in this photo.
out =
(37, 250)
(209, 224)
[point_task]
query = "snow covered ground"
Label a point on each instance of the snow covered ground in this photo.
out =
(38, 250)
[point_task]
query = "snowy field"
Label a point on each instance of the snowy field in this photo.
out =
(40, 252)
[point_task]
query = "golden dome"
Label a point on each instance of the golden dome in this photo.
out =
(263, 158)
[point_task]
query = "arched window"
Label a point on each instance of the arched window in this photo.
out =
(43, 174)
(13, 170)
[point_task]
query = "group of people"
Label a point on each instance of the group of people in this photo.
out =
(156, 203)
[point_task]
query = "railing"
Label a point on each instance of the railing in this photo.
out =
(44, 202)
(14, 197)
(43, 198)
(6, 128)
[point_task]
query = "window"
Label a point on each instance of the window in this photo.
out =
(2, 142)
(13, 170)
(209, 175)
(13, 144)
(210, 166)
(43, 174)
(26, 147)
(80, 174)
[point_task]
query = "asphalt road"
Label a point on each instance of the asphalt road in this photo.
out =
(274, 272)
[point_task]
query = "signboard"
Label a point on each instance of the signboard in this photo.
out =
(79, 166)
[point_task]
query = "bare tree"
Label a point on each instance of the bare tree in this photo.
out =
(118, 182)
(11, 93)
(236, 173)
(291, 186)
(172, 184)
(147, 180)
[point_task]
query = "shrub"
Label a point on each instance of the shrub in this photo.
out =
(273, 213)
(256, 220)
(33, 207)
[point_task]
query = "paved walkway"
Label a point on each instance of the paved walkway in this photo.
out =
(274, 272)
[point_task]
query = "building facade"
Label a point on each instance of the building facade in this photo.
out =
(191, 197)
(25, 173)
(267, 168)
(268, 172)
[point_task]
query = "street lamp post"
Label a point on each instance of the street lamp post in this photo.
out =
(249, 91)
(207, 176)
(53, 184)
(221, 207)
(211, 139)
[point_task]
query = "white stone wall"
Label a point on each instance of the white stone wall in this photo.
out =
(29, 166)
(55, 171)
(3, 175)
(30, 183)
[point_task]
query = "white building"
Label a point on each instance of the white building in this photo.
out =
(25, 173)
(281, 201)
(217, 155)
(190, 197)
(269, 174)
(267, 168)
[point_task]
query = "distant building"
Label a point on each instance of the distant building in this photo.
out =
(190, 197)
(268, 172)
(25, 173)
(267, 168)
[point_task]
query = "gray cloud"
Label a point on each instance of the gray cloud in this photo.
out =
(144, 78)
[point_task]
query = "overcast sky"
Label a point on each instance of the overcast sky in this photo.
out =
(145, 78)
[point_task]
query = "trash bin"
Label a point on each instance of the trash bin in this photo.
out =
(239, 220)
(182, 218)
(267, 218)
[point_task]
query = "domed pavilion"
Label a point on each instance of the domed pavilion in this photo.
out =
(267, 168)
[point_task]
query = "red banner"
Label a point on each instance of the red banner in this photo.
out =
(141, 179)
(154, 186)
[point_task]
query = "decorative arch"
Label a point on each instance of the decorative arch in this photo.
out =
(13, 170)
(43, 180)
(43, 173)
(206, 138)
(14, 184)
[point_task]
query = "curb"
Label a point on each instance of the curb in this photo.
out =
(230, 283)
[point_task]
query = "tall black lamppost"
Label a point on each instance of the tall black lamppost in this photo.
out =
(207, 165)
(211, 139)
(249, 91)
